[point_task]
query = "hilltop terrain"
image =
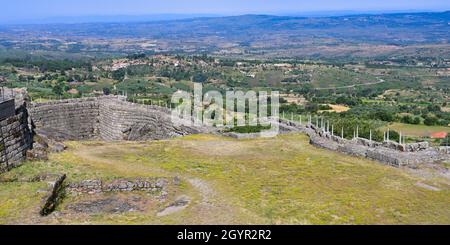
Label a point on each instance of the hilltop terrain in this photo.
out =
(380, 81)
(283, 180)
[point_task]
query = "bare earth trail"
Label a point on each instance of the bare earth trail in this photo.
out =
(353, 86)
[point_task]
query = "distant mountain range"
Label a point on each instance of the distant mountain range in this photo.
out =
(104, 19)
(168, 16)
(254, 33)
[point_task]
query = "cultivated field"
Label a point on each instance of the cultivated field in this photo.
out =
(282, 180)
(417, 130)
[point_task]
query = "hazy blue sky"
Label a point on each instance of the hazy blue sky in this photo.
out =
(32, 9)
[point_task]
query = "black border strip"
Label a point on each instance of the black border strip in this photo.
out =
(150, 234)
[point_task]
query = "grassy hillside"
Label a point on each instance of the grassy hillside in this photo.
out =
(282, 180)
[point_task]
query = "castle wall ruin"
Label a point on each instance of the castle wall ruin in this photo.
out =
(75, 119)
(106, 118)
(15, 139)
(388, 152)
(112, 118)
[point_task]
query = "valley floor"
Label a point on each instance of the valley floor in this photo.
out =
(281, 180)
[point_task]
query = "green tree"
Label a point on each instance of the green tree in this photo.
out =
(106, 91)
(199, 78)
(58, 89)
(408, 119)
(430, 120)
(118, 75)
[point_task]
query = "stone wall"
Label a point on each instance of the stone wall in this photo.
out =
(389, 152)
(323, 143)
(242, 136)
(7, 108)
(107, 118)
(120, 185)
(122, 120)
(113, 118)
(74, 119)
(15, 139)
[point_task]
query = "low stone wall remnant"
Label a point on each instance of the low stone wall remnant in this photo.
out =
(153, 185)
(388, 152)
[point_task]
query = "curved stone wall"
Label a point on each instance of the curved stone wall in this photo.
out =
(121, 120)
(113, 118)
(106, 118)
(67, 119)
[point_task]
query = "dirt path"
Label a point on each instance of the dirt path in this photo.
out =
(212, 206)
(353, 86)
(208, 206)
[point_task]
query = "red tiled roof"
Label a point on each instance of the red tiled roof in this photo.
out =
(439, 135)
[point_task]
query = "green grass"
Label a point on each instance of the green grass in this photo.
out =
(325, 77)
(249, 129)
(416, 130)
(20, 201)
(281, 180)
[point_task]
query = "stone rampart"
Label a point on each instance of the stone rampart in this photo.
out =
(106, 118)
(113, 118)
(122, 120)
(15, 139)
(388, 152)
(67, 119)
